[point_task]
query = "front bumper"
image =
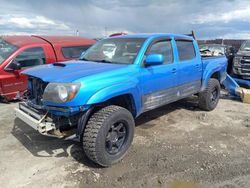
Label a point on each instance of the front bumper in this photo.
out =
(46, 124)
(41, 122)
(34, 119)
(37, 121)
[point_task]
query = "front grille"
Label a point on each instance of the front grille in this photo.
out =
(36, 89)
(246, 57)
(245, 64)
(245, 60)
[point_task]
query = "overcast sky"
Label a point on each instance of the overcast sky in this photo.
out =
(209, 18)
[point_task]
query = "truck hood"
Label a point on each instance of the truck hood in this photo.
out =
(70, 70)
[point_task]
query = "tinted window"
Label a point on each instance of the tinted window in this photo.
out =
(31, 57)
(74, 51)
(185, 50)
(164, 48)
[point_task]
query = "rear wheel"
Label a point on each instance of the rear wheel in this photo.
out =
(108, 135)
(209, 98)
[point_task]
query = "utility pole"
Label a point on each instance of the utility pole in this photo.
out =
(106, 31)
(77, 32)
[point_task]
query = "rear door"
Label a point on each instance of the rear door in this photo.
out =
(159, 82)
(189, 68)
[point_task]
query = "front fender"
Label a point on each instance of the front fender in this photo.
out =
(117, 90)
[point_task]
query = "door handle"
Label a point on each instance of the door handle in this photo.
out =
(197, 66)
(174, 70)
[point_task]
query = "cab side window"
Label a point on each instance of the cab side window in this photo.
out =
(186, 50)
(164, 48)
(31, 57)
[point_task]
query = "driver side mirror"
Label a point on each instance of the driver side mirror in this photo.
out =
(154, 59)
(13, 66)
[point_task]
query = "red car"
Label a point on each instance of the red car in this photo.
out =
(21, 52)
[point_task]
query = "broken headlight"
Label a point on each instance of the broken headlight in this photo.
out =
(60, 92)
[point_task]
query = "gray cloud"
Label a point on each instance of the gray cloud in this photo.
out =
(225, 18)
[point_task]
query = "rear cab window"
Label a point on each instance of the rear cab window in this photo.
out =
(186, 50)
(71, 52)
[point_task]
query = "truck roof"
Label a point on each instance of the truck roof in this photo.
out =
(149, 35)
(61, 40)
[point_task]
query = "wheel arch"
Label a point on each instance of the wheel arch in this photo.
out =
(216, 74)
(124, 95)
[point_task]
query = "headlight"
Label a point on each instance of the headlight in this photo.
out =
(237, 60)
(60, 92)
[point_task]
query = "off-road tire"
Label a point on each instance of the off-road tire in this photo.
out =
(97, 128)
(205, 97)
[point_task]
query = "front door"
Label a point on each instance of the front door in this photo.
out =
(27, 58)
(158, 82)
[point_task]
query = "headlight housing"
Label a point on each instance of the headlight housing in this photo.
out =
(60, 92)
(237, 60)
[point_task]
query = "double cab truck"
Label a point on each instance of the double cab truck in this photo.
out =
(21, 52)
(241, 63)
(97, 98)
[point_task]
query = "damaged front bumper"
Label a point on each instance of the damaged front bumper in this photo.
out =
(38, 121)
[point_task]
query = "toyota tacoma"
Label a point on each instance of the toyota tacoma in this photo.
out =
(96, 99)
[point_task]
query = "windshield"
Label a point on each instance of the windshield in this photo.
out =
(6, 49)
(114, 50)
(245, 46)
(213, 50)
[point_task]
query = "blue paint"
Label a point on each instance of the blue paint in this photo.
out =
(231, 85)
(102, 81)
(242, 82)
(154, 59)
(72, 70)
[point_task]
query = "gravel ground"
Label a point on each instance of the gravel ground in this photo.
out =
(175, 146)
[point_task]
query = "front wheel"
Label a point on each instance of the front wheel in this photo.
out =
(108, 135)
(209, 98)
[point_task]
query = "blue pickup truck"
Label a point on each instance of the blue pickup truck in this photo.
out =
(97, 98)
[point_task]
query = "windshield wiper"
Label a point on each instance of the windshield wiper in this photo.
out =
(84, 59)
(102, 61)
(98, 61)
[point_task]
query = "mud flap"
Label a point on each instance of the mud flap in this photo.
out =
(82, 124)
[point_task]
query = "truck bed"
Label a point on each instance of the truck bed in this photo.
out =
(218, 59)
